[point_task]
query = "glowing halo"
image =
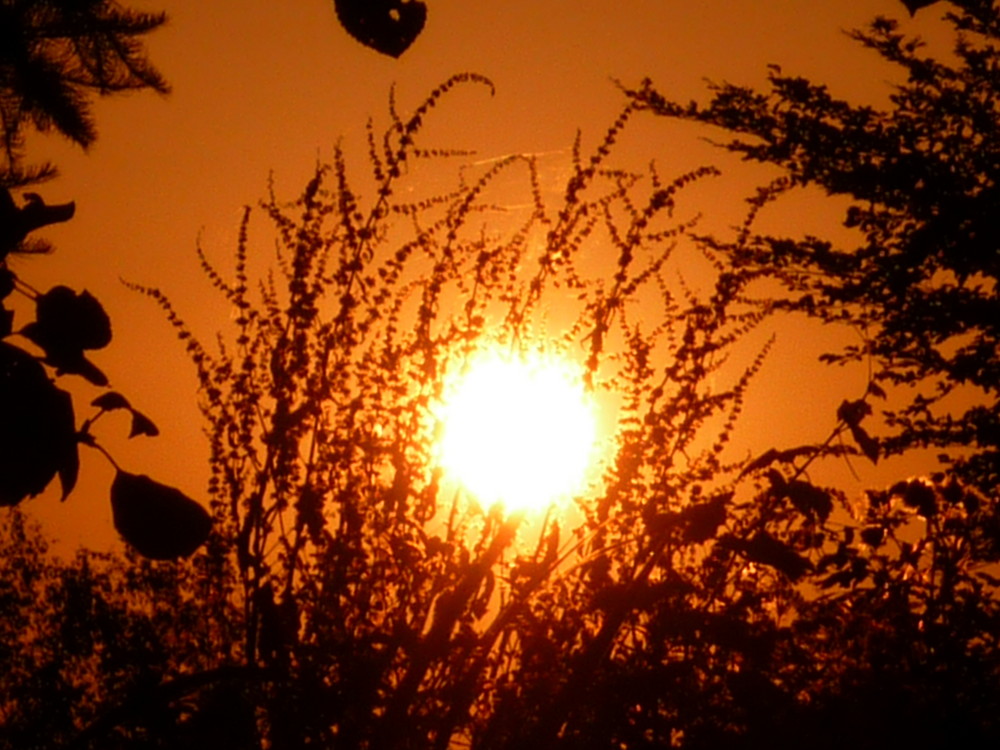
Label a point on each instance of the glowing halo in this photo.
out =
(520, 430)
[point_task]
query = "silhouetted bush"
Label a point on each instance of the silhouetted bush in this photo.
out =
(348, 597)
(922, 176)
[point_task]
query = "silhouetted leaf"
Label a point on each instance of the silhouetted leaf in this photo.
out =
(37, 431)
(6, 282)
(917, 495)
(161, 522)
(69, 471)
(71, 319)
(877, 498)
(765, 549)
(387, 26)
(846, 577)
(67, 323)
(6, 322)
(876, 390)
(810, 500)
(873, 536)
(852, 412)
(142, 425)
(773, 455)
(777, 480)
(702, 520)
(914, 5)
(766, 458)
(110, 401)
(868, 444)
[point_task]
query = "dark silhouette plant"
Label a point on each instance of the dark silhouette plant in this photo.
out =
(910, 604)
(52, 54)
(349, 596)
(369, 604)
(922, 177)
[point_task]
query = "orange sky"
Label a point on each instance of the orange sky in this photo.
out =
(260, 85)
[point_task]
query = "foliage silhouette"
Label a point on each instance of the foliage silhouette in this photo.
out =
(349, 597)
(923, 179)
(52, 53)
(38, 437)
(922, 287)
(367, 605)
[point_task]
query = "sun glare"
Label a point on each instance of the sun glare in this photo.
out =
(519, 430)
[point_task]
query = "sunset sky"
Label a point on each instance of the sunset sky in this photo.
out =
(263, 87)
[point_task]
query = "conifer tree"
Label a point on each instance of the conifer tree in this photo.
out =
(53, 55)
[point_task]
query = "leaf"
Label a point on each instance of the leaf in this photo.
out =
(68, 319)
(764, 459)
(701, 521)
(66, 324)
(160, 522)
(852, 412)
(37, 432)
(6, 282)
(876, 390)
(809, 500)
(914, 5)
(917, 495)
(110, 401)
(766, 550)
(773, 455)
(868, 444)
(68, 469)
(873, 536)
(852, 574)
(777, 480)
(142, 425)
(387, 26)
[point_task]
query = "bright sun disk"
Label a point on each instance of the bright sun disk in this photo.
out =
(520, 430)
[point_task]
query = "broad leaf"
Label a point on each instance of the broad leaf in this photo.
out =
(37, 431)
(110, 401)
(6, 282)
(868, 444)
(387, 26)
(160, 522)
(142, 425)
(917, 495)
(702, 520)
(66, 324)
(873, 536)
(809, 500)
(914, 5)
(765, 549)
(852, 412)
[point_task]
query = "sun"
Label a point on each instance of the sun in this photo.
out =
(520, 430)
